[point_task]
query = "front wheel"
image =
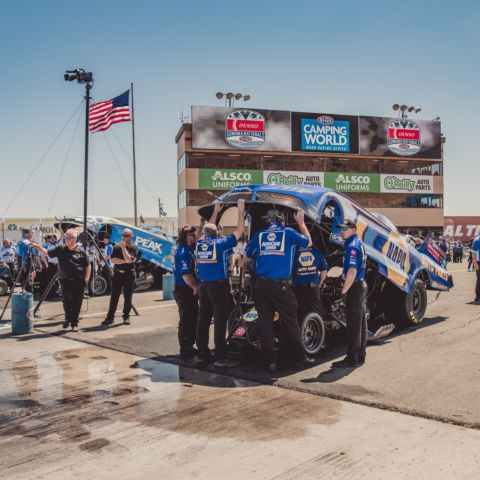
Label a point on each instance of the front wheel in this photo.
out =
(312, 333)
(3, 287)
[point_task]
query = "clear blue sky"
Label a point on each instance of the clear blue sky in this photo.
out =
(347, 57)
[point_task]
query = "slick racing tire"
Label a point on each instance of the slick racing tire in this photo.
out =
(408, 309)
(100, 286)
(3, 287)
(312, 333)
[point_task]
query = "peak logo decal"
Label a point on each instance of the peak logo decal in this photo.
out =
(245, 129)
(404, 137)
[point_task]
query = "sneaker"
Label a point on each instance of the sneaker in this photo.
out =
(345, 363)
(477, 301)
(187, 354)
(107, 322)
(204, 359)
(126, 320)
(225, 363)
(74, 328)
(65, 324)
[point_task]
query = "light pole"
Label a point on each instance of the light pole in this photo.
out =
(84, 78)
(231, 97)
(403, 109)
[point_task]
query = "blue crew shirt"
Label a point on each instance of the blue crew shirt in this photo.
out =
(212, 255)
(308, 262)
(274, 250)
(22, 249)
(355, 257)
(475, 249)
(183, 264)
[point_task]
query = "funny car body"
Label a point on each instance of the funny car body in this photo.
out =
(398, 275)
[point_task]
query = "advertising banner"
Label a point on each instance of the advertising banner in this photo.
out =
(392, 183)
(397, 137)
(461, 228)
(274, 177)
(241, 128)
(324, 132)
(226, 179)
(353, 182)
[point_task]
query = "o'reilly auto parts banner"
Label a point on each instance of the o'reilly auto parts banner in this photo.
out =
(390, 183)
(241, 128)
(353, 182)
(278, 177)
(218, 179)
(324, 132)
(397, 137)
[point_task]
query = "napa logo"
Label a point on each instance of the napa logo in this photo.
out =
(271, 237)
(325, 134)
(203, 246)
(306, 259)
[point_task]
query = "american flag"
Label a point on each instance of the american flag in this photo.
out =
(103, 114)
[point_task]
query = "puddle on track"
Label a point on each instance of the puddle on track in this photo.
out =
(66, 395)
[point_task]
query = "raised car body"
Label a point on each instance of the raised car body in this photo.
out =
(394, 257)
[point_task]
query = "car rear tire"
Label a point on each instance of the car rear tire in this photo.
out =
(410, 308)
(3, 287)
(312, 333)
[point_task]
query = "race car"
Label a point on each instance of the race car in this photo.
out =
(398, 275)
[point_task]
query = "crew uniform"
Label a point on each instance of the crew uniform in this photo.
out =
(123, 278)
(71, 265)
(475, 249)
(273, 250)
(212, 256)
(308, 263)
(7, 255)
(356, 298)
(184, 263)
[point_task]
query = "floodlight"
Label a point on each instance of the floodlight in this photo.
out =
(396, 106)
(219, 95)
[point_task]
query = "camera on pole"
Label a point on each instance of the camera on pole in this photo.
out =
(85, 78)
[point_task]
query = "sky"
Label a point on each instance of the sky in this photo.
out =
(345, 57)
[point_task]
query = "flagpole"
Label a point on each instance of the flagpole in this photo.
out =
(134, 163)
(88, 86)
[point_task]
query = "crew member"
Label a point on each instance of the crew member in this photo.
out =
(74, 274)
(309, 272)
(354, 293)
(52, 262)
(273, 250)
(214, 291)
(476, 266)
(7, 255)
(124, 255)
(25, 264)
(107, 266)
(186, 287)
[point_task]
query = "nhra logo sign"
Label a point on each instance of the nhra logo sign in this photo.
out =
(245, 129)
(404, 137)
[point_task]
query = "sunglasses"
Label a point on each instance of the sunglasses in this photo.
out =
(126, 235)
(70, 238)
(343, 229)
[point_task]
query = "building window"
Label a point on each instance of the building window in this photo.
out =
(182, 200)
(181, 164)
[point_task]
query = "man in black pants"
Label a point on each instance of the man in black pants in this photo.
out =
(212, 255)
(74, 270)
(354, 292)
(185, 293)
(123, 257)
(273, 250)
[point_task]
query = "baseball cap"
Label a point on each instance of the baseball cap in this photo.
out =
(347, 224)
(274, 214)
